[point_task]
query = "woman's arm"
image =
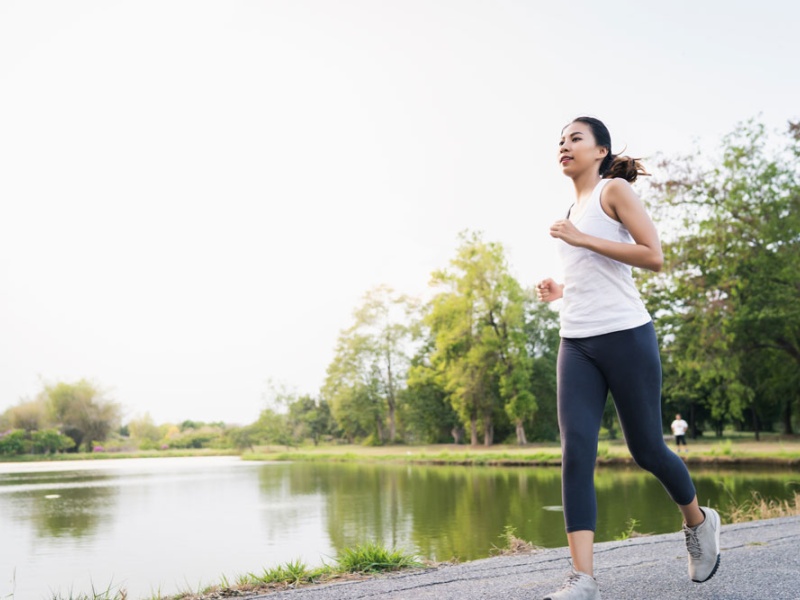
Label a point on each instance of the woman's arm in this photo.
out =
(625, 206)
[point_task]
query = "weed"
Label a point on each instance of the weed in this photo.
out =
(513, 544)
(374, 558)
(758, 507)
(630, 531)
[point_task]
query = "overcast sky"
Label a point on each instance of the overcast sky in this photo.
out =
(196, 194)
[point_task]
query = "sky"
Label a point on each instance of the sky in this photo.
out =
(196, 194)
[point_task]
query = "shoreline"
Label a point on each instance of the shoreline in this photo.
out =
(781, 454)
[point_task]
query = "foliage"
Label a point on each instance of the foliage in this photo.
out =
(758, 508)
(50, 441)
(12, 442)
(479, 352)
(513, 545)
(729, 298)
(630, 530)
(368, 370)
(374, 558)
(81, 411)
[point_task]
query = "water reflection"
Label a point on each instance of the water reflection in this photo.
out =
(164, 525)
(445, 512)
(75, 506)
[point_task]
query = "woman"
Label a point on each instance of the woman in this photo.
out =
(608, 343)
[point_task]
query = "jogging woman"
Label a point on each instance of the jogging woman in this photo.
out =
(608, 343)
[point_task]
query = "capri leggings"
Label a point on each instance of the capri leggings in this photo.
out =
(628, 364)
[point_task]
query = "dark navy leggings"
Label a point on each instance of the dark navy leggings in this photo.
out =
(628, 364)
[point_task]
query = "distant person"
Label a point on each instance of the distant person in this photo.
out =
(608, 342)
(679, 428)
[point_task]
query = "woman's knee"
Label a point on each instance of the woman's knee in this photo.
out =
(651, 459)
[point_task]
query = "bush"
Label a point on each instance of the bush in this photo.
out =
(13, 442)
(50, 441)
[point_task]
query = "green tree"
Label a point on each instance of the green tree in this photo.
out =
(369, 367)
(145, 431)
(13, 442)
(309, 418)
(542, 336)
(29, 415)
(732, 285)
(477, 324)
(81, 411)
(427, 414)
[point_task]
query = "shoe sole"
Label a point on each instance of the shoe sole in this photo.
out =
(710, 575)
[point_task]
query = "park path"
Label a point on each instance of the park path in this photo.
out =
(760, 559)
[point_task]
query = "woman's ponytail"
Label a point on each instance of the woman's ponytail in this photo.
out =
(622, 166)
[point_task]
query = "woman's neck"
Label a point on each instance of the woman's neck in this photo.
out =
(585, 184)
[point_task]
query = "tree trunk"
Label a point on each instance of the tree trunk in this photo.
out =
(473, 424)
(379, 429)
(522, 440)
(787, 418)
(756, 423)
(488, 432)
(390, 400)
(456, 433)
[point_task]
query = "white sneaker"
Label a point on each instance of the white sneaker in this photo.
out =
(702, 542)
(578, 586)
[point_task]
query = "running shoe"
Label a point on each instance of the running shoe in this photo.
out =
(578, 586)
(702, 542)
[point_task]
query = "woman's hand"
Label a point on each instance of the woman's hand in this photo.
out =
(565, 230)
(548, 290)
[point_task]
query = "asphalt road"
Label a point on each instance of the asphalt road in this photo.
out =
(759, 560)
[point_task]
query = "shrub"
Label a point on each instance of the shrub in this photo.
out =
(13, 442)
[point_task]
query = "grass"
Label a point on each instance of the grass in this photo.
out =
(757, 508)
(362, 560)
(630, 531)
(730, 450)
(513, 545)
(373, 558)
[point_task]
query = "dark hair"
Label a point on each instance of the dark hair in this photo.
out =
(613, 165)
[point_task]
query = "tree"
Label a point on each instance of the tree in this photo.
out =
(427, 413)
(81, 412)
(732, 287)
(542, 338)
(309, 418)
(13, 442)
(369, 367)
(477, 323)
(29, 415)
(144, 430)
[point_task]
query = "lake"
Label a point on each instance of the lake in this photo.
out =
(168, 525)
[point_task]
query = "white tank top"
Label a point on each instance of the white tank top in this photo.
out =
(599, 293)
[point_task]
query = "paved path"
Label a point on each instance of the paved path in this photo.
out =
(759, 560)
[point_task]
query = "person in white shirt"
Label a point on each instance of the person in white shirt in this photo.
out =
(679, 428)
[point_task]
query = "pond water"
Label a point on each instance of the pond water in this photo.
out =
(168, 525)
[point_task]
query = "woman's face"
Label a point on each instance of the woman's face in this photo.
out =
(578, 151)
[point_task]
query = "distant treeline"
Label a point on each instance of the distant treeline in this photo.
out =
(476, 363)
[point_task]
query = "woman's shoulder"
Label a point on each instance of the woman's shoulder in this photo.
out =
(617, 184)
(618, 190)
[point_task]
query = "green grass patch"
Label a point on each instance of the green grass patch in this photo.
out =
(373, 558)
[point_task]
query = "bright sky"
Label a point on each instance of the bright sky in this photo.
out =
(196, 193)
